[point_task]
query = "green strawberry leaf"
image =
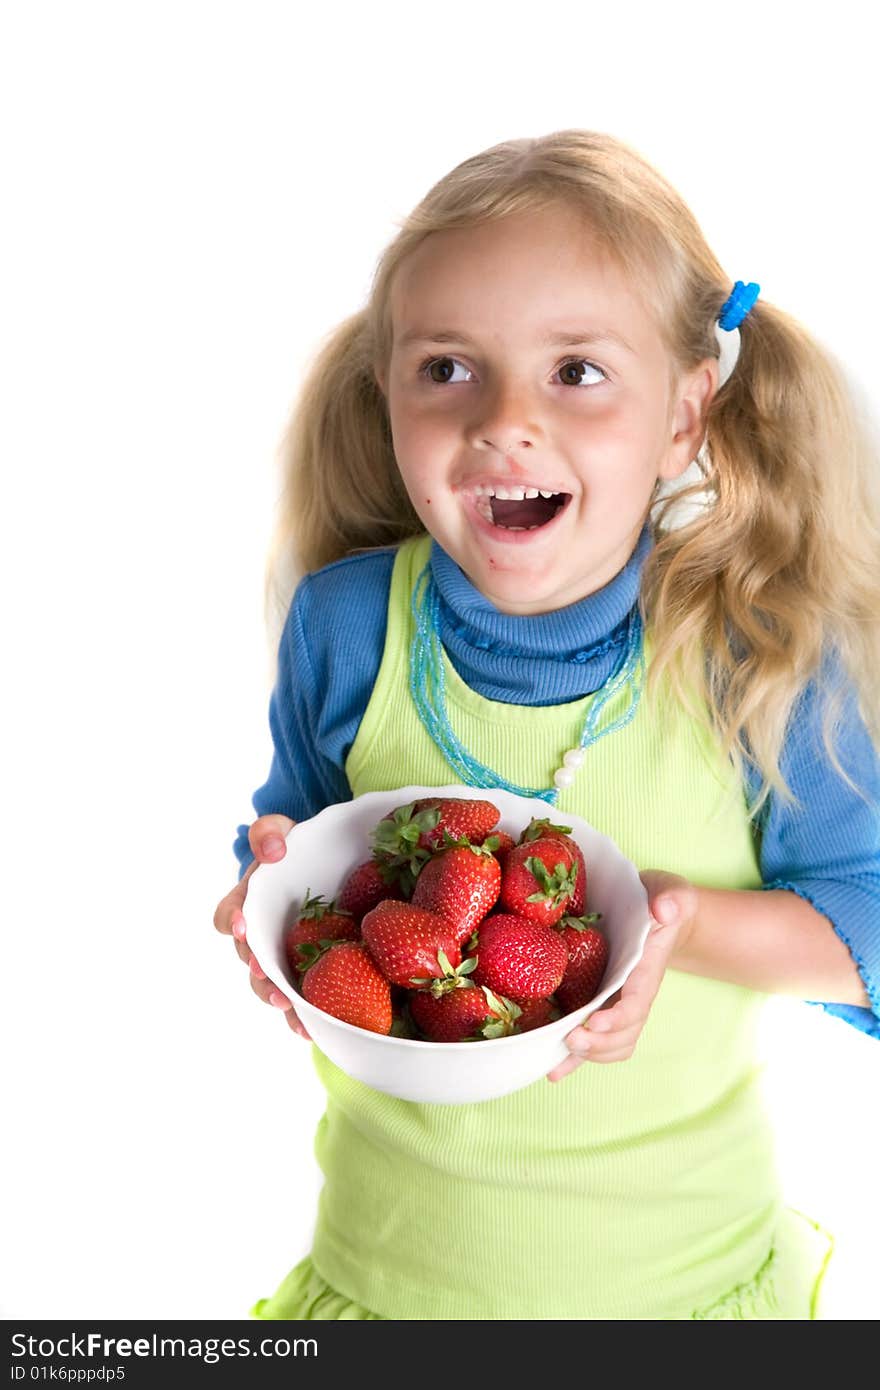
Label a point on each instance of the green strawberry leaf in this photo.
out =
(497, 1029)
(536, 828)
(397, 839)
(310, 951)
(559, 884)
(580, 923)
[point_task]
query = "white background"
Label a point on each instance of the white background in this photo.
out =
(194, 194)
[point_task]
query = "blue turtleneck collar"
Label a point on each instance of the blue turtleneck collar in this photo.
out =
(560, 656)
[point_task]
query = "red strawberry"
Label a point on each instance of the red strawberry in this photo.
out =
(499, 842)
(412, 946)
(463, 1014)
(368, 884)
(345, 982)
(545, 829)
(461, 818)
(317, 921)
(534, 1013)
(587, 958)
(518, 958)
(408, 834)
(460, 883)
(538, 880)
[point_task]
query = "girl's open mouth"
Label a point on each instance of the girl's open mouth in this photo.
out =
(518, 508)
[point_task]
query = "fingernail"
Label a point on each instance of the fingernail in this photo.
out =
(278, 1000)
(666, 911)
(255, 969)
(238, 928)
(273, 847)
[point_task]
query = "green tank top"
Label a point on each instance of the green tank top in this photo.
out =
(640, 1189)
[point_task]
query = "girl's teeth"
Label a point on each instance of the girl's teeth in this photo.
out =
(483, 495)
(510, 494)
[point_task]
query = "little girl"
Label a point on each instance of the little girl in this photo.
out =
(559, 461)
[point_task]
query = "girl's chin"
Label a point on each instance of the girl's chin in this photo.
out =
(522, 588)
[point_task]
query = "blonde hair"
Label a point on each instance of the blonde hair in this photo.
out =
(743, 601)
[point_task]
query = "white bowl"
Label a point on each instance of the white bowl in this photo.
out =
(323, 850)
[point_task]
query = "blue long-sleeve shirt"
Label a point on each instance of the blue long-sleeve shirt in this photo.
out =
(827, 851)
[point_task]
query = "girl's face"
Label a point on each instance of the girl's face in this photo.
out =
(523, 364)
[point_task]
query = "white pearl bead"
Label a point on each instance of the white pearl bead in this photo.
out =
(574, 757)
(563, 778)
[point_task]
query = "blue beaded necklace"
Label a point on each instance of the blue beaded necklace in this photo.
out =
(427, 684)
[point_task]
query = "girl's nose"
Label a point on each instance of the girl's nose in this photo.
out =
(505, 421)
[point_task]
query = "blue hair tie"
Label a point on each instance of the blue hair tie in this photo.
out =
(735, 308)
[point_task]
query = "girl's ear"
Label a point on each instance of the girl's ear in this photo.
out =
(380, 380)
(688, 417)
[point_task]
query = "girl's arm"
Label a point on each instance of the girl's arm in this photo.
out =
(328, 656)
(813, 930)
(771, 940)
(825, 851)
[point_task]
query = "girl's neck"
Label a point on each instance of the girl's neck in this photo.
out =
(594, 615)
(546, 659)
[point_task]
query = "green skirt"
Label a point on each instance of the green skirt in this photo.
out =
(786, 1288)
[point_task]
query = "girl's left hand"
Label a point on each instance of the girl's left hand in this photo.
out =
(611, 1033)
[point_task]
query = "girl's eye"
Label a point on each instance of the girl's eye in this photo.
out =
(441, 363)
(574, 366)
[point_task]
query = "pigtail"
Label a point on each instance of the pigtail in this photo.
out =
(774, 579)
(341, 489)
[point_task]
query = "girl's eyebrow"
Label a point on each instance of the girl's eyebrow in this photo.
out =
(566, 337)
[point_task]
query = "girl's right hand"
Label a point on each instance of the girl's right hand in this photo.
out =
(267, 838)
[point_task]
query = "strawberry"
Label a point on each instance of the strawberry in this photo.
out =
(413, 947)
(460, 883)
(534, 1013)
(545, 829)
(368, 884)
(317, 921)
(462, 1014)
(519, 959)
(409, 834)
(461, 818)
(587, 958)
(345, 982)
(538, 880)
(502, 843)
